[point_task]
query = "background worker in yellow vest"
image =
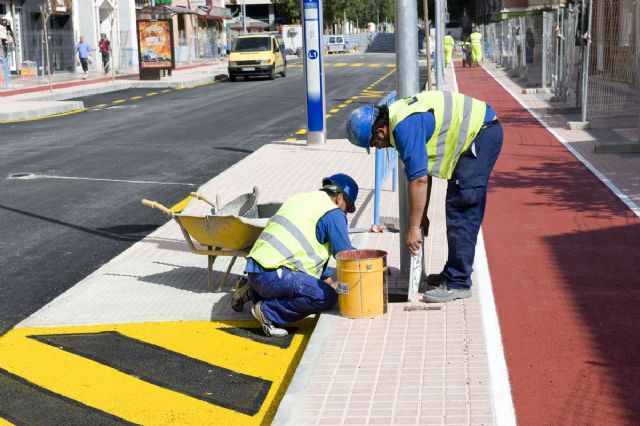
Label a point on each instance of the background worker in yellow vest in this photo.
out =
(449, 136)
(476, 45)
(449, 43)
(287, 273)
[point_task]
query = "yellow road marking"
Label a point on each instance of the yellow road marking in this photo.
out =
(165, 90)
(119, 101)
(133, 98)
(4, 422)
(354, 97)
(328, 115)
(152, 93)
(138, 401)
(179, 88)
(390, 65)
(373, 65)
(342, 105)
(100, 106)
(301, 132)
(348, 101)
(334, 110)
(341, 64)
(180, 205)
(290, 139)
(357, 64)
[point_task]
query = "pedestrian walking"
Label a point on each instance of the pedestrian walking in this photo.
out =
(476, 45)
(105, 49)
(449, 43)
(82, 50)
(287, 273)
(449, 136)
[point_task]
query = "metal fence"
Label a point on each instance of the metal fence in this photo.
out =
(548, 50)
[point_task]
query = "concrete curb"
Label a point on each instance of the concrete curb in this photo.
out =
(26, 110)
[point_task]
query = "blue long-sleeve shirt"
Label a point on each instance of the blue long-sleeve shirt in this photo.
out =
(332, 228)
(83, 50)
(411, 135)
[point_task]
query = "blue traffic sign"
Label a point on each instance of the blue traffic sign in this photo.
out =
(313, 54)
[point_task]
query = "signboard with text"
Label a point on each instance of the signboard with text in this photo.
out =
(155, 41)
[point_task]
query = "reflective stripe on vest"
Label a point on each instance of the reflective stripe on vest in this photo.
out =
(476, 38)
(289, 239)
(448, 41)
(458, 120)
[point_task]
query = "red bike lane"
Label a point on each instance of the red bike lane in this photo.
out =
(564, 257)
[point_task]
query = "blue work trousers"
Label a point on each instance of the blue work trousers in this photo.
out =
(465, 204)
(289, 296)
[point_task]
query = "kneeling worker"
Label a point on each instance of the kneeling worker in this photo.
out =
(287, 271)
(450, 136)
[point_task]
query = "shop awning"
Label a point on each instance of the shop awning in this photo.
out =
(184, 10)
(215, 12)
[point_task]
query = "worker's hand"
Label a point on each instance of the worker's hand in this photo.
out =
(331, 282)
(414, 239)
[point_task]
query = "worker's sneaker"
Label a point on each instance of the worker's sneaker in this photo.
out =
(241, 295)
(268, 327)
(435, 280)
(443, 294)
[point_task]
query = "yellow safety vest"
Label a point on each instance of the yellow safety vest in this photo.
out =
(289, 239)
(476, 38)
(458, 121)
(449, 41)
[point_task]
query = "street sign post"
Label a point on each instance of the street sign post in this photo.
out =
(313, 69)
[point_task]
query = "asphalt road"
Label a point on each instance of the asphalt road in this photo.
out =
(88, 171)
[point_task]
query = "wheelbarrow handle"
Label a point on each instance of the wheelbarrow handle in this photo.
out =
(202, 198)
(156, 205)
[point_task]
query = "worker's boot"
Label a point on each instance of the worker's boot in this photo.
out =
(444, 294)
(241, 295)
(267, 326)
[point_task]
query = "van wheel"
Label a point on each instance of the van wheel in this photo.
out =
(232, 78)
(272, 74)
(284, 71)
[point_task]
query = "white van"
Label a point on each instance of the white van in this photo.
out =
(335, 44)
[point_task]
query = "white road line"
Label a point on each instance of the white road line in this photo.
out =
(621, 195)
(29, 176)
(503, 410)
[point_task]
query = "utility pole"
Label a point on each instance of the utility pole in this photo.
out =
(408, 84)
(46, 13)
(439, 45)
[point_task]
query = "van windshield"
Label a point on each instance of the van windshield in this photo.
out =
(251, 44)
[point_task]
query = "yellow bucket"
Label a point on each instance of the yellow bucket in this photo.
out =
(362, 283)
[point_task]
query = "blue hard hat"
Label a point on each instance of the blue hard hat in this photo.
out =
(346, 185)
(359, 126)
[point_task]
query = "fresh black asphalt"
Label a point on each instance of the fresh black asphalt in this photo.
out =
(56, 231)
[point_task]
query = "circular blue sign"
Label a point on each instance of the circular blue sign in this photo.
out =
(313, 54)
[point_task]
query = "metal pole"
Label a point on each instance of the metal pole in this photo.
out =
(439, 46)
(425, 10)
(314, 72)
(408, 84)
(585, 65)
(545, 41)
(244, 18)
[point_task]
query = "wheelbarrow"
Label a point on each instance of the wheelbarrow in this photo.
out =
(228, 231)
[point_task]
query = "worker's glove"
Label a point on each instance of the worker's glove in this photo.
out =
(424, 224)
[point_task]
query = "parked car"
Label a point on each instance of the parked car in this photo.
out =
(335, 44)
(256, 55)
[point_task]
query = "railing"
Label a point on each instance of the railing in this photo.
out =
(386, 164)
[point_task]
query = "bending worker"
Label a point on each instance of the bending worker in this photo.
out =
(476, 46)
(449, 42)
(288, 277)
(450, 136)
